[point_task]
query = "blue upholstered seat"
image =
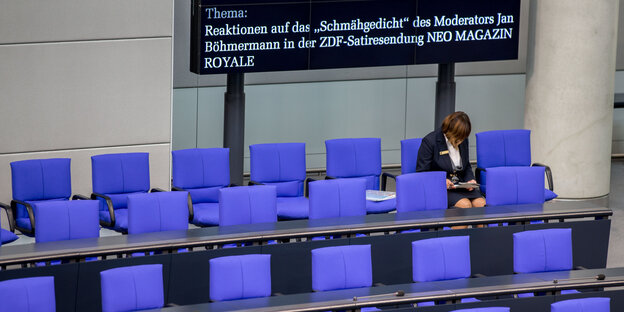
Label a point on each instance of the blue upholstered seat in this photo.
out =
(490, 309)
(155, 212)
(115, 176)
(34, 181)
(282, 165)
(421, 191)
(247, 205)
(582, 305)
(202, 172)
(515, 185)
(442, 258)
(7, 236)
(28, 294)
(132, 288)
(65, 220)
(542, 250)
(504, 148)
(409, 155)
(341, 267)
(240, 277)
(337, 198)
(358, 158)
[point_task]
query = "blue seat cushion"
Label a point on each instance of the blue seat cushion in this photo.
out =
(23, 223)
(121, 219)
(206, 214)
(7, 236)
(549, 195)
(293, 207)
(380, 206)
(288, 188)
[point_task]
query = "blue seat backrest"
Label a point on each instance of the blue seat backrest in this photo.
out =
(28, 294)
(239, 277)
(515, 185)
(490, 309)
(498, 148)
(247, 205)
(279, 164)
(41, 179)
(160, 211)
(421, 191)
(347, 158)
(542, 250)
(201, 167)
(594, 304)
(409, 154)
(341, 267)
(64, 220)
(120, 173)
(337, 198)
(132, 288)
(442, 258)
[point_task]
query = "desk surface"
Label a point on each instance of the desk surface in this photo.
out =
(172, 240)
(418, 292)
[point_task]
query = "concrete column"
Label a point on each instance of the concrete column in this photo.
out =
(569, 92)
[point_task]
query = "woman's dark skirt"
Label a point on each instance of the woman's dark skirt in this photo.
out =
(456, 195)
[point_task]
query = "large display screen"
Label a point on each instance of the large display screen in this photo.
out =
(279, 35)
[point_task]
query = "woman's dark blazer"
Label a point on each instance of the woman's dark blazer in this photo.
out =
(433, 155)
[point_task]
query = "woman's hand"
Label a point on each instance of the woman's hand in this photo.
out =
(449, 184)
(471, 181)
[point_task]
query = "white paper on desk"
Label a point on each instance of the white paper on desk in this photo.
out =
(373, 195)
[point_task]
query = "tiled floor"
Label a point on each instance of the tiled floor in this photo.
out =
(615, 202)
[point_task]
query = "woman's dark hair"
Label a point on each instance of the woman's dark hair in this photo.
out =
(456, 127)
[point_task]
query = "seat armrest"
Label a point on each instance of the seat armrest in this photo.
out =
(548, 173)
(384, 179)
(156, 190)
(79, 197)
(31, 215)
(478, 174)
(9, 213)
(251, 182)
(189, 201)
(306, 186)
(111, 210)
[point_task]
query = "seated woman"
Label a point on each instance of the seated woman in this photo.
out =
(446, 149)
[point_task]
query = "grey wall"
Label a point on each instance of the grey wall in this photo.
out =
(79, 78)
(393, 109)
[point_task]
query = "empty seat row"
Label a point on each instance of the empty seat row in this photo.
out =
(333, 268)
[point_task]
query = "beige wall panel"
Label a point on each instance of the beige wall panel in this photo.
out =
(85, 94)
(70, 20)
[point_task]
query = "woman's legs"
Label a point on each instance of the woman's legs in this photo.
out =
(478, 202)
(463, 203)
